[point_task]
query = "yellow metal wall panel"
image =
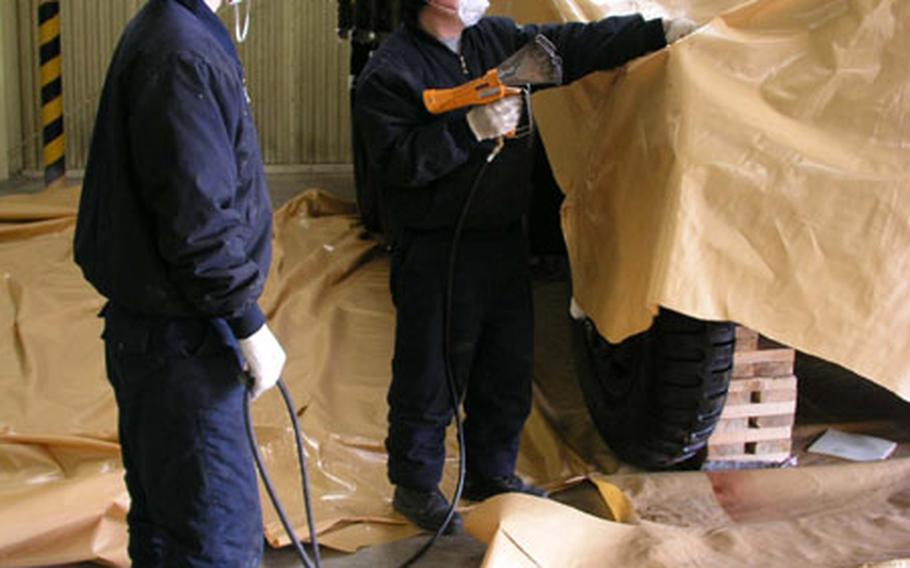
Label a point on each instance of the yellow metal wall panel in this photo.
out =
(29, 95)
(297, 76)
(11, 135)
(90, 30)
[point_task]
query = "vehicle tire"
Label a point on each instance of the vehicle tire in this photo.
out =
(657, 396)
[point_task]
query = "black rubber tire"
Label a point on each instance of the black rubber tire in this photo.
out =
(657, 396)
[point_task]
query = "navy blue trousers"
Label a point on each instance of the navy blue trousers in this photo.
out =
(492, 353)
(189, 468)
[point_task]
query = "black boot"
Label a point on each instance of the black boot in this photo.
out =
(477, 488)
(426, 509)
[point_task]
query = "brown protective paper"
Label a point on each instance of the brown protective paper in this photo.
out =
(755, 171)
(326, 299)
(62, 497)
(49, 522)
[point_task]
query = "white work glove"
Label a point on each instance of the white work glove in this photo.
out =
(495, 119)
(264, 359)
(678, 28)
(575, 311)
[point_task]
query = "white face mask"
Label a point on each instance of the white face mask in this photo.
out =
(470, 11)
(241, 31)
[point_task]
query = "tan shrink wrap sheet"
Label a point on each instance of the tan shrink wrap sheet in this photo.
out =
(62, 498)
(61, 493)
(757, 171)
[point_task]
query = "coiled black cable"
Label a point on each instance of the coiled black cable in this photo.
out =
(453, 394)
(455, 397)
(267, 481)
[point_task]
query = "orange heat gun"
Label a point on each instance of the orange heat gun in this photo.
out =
(480, 91)
(537, 63)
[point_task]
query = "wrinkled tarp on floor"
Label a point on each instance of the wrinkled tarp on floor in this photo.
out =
(756, 171)
(62, 497)
(327, 299)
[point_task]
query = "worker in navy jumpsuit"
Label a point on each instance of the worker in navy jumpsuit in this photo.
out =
(174, 229)
(426, 165)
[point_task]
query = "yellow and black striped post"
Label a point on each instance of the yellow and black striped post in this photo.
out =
(51, 93)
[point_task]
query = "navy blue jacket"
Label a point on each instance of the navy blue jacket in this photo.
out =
(426, 164)
(175, 218)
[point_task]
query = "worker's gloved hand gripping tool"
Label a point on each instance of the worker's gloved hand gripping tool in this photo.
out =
(537, 63)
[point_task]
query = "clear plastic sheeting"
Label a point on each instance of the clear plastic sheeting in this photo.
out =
(850, 515)
(755, 171)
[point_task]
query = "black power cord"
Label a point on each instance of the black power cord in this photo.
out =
(447, 352)
(453, 394)
(267, 481)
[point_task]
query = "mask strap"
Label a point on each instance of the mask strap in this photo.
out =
(239, 33)
(441, 7)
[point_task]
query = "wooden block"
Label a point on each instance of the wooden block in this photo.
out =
(750, 435)
(764, 356)
(774, 368)
(750, 443)
(757, 420)
(769, 447)
(763, 384)
(725, 451)
(763, 362)
(784, 420)
(742, 370)
(745, 458)
(756, 410)
(775, 395)
(746, 339)
(728, 424)
(773, 446)
(736, 397)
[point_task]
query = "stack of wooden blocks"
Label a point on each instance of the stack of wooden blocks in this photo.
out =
(757, 421)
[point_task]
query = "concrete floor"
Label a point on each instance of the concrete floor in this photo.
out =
(451, 551)
(282, 186)
(460, 551)
(828, 394)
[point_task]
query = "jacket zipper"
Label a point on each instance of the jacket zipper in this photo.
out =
(464, 66)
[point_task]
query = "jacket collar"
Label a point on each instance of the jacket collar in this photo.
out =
(422, 35)
(214, 26)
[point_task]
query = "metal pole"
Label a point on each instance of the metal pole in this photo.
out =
(51, 93)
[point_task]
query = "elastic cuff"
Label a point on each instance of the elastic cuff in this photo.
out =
(247, 323)
(657, 39)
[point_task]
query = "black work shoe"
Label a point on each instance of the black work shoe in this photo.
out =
(426, 509)
(478, 488)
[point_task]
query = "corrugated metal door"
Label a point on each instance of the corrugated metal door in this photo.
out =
(11, 137)
(296, 74)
